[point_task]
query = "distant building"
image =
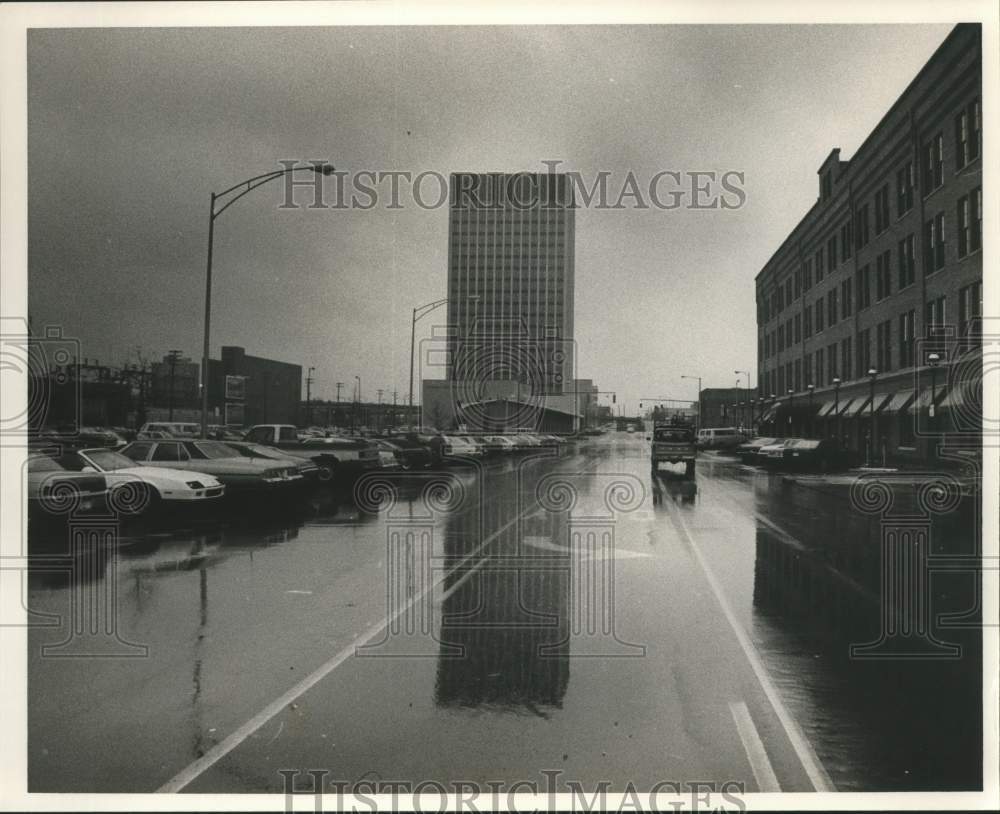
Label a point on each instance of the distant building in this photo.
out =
(245, 390)
(883, 274)
(725, 407)
(511, 243)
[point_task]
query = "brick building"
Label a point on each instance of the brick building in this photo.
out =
(875, 298)
(245, 390)
(724, 407)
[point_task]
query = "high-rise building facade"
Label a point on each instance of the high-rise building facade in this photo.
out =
(510, 280)
(869, 314)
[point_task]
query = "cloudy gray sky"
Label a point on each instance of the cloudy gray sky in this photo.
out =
(130, 130)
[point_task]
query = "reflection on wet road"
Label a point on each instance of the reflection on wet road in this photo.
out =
(491, 622)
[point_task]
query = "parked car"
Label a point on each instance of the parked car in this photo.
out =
(749, 450)
(172, 486)
(456, 445)
(389, 454)
(805, 454)
(248, 449)
(72, 437)
(221, 432)
(499, 444)
(53, 491)
(482, 448)
(718, 438)
(415, 450)
(240, 475)
(335, 456)
(770, 453)
(176, 429)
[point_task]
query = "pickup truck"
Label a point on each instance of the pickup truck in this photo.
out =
(673, 443)
(334, 456)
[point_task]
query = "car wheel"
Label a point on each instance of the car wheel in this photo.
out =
(326, 470)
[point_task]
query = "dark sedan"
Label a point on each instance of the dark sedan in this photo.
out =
(807, 454)
(749, 451)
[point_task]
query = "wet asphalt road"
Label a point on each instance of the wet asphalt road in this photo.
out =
(485, 623)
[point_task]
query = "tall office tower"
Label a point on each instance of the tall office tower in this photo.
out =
(510, 280)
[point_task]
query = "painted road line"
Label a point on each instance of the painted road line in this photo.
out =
(803, 749)
(763, 773)
(179, 781)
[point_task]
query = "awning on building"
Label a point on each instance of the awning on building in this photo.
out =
(769, 414)
(898, 401)
(923, 401)
(960, 397)
(826, 409)
(844, 405)
(856, 406)
(881, 400)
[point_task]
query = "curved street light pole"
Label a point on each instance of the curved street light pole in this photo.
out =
(244, 187)
(419, 313)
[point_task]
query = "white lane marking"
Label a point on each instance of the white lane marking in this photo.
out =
(224, 747)
(803, 749)
(763, 773)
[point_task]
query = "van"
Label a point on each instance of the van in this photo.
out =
(718, 438)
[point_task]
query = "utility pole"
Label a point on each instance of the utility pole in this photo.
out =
(395, 416)
(378, 412)
(172, 357)
(309, 381)
(339, 385)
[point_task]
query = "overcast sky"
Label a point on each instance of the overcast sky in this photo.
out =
(130, 130)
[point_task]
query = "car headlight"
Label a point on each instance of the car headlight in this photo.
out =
(194, 484)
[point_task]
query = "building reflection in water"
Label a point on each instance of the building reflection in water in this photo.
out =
(504, 633)
(861, 617)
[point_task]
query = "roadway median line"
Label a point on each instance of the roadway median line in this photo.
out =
(803, 749)
(763, 772)
(187, 775)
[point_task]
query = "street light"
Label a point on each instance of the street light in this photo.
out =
(836, 407)
(812, 421)
(791, 403)
(933, 360)
(872, 375)
(699, 396)
(419, 313)
(250, 184)
(738, 395)
(309, 381)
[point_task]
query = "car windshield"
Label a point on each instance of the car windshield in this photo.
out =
(211, 449)
(109, 460)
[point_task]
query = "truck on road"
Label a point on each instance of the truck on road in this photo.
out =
(673, 442)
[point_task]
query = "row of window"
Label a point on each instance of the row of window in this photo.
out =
(854, 234)
(970, 230)
(850, 359)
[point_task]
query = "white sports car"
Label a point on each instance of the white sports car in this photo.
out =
(173, 485)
